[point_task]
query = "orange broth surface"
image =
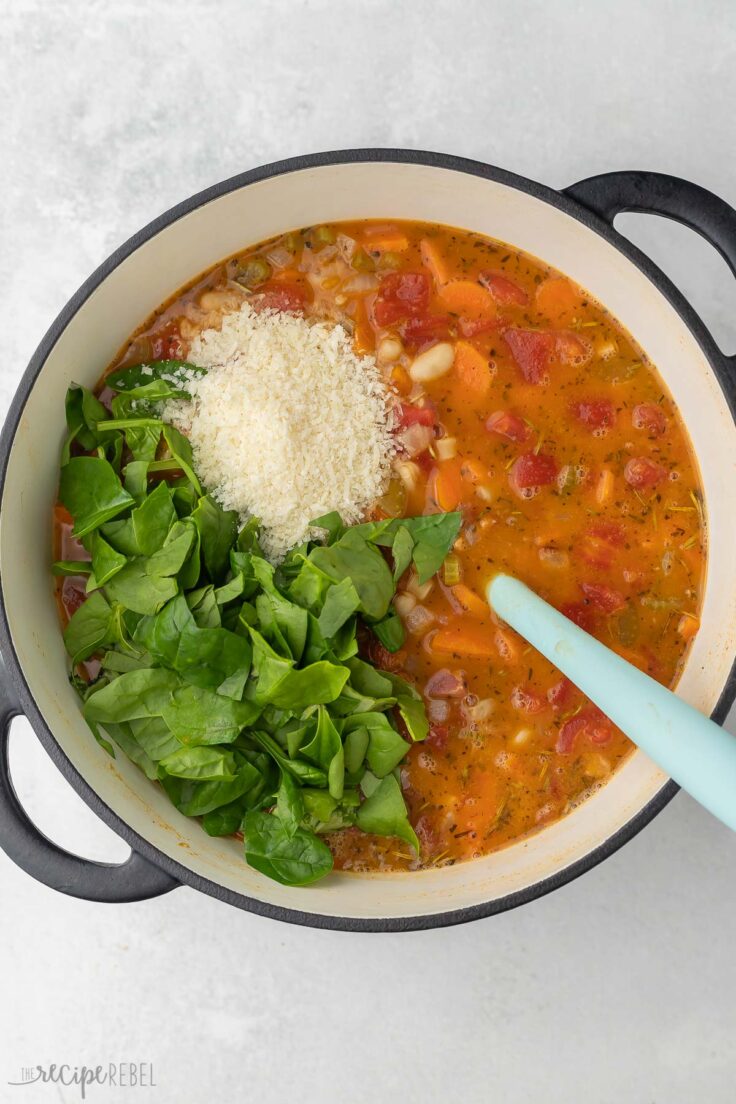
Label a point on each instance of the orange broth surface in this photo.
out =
(560, 445)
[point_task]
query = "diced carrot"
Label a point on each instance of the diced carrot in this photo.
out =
(390, 241)
(62, 515)
(470, 601)
(472, 369)
(448, 484)
(364, 337)
(401, 380)
(687, 626)
(604, 486)
(507, 645)
(434, 261)
(464, 638)
(558, 299)
(466, 298)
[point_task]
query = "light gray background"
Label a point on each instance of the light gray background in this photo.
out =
(619, 987)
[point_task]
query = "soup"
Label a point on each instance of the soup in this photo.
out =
(522, 407)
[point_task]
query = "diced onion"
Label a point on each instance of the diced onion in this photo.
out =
(409, 474)
(446, 448)
(422, 591)
(404, 603)
(280, 257)
(485, 494)
(438, 710)
(360, 285)
(389, 350)
(522, 737)
(478, 711)
(554, 557)
(415, 439)
(418, 620)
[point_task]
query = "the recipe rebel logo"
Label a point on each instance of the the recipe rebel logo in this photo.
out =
(117, 1075)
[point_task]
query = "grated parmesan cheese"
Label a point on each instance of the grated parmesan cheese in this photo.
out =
(287, 424)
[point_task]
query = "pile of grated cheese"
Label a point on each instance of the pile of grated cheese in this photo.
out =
(287, 424)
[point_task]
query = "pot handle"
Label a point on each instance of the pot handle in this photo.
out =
(134, 880)
(652, 193)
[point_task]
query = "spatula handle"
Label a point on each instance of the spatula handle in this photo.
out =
(696, 752)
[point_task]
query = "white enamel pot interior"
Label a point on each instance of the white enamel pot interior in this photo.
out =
(151, 268)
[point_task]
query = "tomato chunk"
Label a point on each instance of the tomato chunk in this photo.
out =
(531, 349)
(409, 415)
(612, 532)
(640, 471)
(650, 417)
(167, 345)
(580, 614)
(532, 470)
(504, 291)
(400, 295)
(603, 597)
(73, 594)
(526, 700)
(561, 693)
(508, 425)
(424, 329)
(280, 296)
(596, 414)
(590, 723)
(572, 349)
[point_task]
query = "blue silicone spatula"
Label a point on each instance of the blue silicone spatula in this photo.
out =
(696, 752)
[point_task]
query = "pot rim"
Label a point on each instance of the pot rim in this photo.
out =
(138, 843)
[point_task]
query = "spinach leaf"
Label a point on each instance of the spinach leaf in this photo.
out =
(292, 859)
(201, 764)
(181, 451)
(135, 589)
(123, 737)
(83, 412)
(225, 821)
(92, 493)
(145, 531)
(106, 562)
(326, 751)
(390, 631)
(410, 705)
(200, 798)
(353, 558)
(217, 532)
(71, 567)
(332, 525)
(136, 479)
(356, 745)
(341, 602)
(384, 813)
(154, 736)
(136, 380)
(402, 549)
(136, 694)
(289, 803)
(199, 716)
(173, 555)
(90, 628)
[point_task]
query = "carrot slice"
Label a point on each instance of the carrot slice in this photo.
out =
(472, 369)
(470, 601)
(448, 484)
(558, 299)
(465, 638)
(364, 337)
(392, 241)
(466, 298)
(434, 261)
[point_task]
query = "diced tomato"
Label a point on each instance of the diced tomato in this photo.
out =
(580, 613)
(531, 470)
(382, 658)
(474, 327)
(531, 349)
(445, 684)
(508, 425)
(572, 349)
(505, 292)
(650, 417)
(603, 597)
(167, 345)
(280, 296)
(612, 532)
(423, 329)
(596, 414)
(400, 295)
(73, 594)
(640, 471)
(561, 693)
(409, 415)
(437, 736)
(526, 700)
(591, 723)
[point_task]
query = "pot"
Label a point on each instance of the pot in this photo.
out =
(572, 230)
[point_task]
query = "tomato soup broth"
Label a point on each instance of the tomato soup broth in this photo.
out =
(559, 444)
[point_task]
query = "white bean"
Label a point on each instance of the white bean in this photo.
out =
(433, 363)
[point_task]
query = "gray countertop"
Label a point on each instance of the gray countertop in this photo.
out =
(618, 987)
